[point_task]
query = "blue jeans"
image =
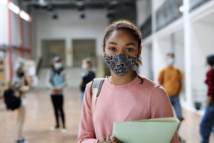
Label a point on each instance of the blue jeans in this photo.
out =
(207, 123)
(81, 97)
(176, 104)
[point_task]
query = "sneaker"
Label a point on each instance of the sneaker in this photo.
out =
(181, 140)
(22, 141)
(18, 141)
(64, 130)
(54, 128)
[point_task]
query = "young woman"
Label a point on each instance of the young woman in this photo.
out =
(207, 122)
(124, 96)
(56, 81)
(86, 77)
(20, 86)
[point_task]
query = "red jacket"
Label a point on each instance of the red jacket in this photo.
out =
(210, 82)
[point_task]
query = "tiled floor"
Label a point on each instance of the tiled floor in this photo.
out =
(40, 118)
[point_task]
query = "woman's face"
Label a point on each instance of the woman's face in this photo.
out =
(121, 42)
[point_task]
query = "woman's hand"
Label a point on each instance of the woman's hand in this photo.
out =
(54, 89)
(115, 140)
(209, 99)
(109, 139)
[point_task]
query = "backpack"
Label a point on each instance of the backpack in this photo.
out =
(95, 90)
(12, 102)
(57, 78)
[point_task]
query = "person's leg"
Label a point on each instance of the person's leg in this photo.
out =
(207, 123)
(177, 107)
(81, 97)
(171, 100)
(60, 107)
(55, 102)
(20, 122)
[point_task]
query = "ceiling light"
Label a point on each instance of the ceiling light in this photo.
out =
(113, 2)
(55, 16)
(82, 16)
(110, 13)
(14, 8)
(79, 3)
(25, 16)
(181, 8)
(42, 2)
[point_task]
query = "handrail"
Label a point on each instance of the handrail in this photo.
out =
(146, 28)
(196, 3)
(38, 65)
(167, 13)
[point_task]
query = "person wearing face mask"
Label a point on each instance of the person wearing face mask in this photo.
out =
(207, 122)
(124, 96)
(171, 78)
(56, 81)
(86, 77)
(20, 86)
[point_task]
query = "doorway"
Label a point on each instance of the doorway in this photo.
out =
(50, 49)
(84, 48)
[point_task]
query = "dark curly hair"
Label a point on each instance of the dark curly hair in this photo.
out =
(124, 25)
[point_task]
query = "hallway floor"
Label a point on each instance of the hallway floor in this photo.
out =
(40, 118)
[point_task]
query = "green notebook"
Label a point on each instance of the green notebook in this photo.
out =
(159, 130)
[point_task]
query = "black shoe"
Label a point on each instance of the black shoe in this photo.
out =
(22, 141)
(181, 140)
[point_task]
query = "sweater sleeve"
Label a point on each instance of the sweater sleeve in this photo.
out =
(210, 83)
(86, 129)
(48, 80)
(160, 107)
(160, 76)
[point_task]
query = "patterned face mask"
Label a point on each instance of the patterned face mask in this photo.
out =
(121, 64)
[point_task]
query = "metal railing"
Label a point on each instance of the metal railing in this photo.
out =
(146, 28)
(167, 13)
(196, 3)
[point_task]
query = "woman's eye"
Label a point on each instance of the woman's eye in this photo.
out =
(113, 49)
(129, 50)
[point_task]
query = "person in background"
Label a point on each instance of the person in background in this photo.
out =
(20, 85)
(56, 81)
(171, 78)
(87, 77)
(124, 96)
(207, 122)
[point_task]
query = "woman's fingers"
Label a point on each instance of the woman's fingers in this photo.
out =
(108, 138)
(102, 140)
(114, 140)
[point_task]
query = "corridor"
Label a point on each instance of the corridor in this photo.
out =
(40, 118)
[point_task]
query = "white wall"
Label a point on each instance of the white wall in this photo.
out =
(3, 24)
(160, 48)
(69, 26)
(146, 68)
(15, 29)
(202, 40)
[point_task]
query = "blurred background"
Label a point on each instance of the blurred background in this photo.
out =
(39, 30)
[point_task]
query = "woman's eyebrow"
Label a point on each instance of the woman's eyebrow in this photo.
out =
(128, 44)
(112, 43)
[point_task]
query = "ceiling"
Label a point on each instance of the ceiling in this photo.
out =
(50, 5)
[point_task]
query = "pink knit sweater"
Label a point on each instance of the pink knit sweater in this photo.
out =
(130, 102)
